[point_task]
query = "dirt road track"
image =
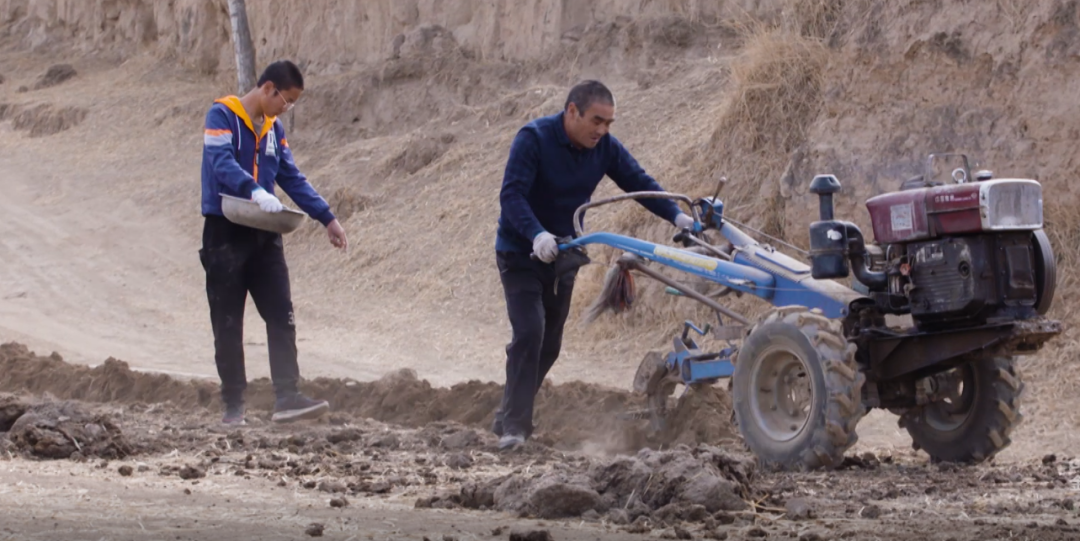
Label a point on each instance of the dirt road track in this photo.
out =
(91, 274)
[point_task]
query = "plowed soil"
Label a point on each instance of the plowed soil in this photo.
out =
(154, 436)
(400, 398)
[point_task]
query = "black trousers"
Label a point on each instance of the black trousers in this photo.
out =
(538, 303)
(239, 260)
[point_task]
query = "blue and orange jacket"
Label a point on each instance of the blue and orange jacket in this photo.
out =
(234, 160)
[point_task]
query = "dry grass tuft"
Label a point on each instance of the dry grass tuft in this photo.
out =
(775, 97)
(775, 94)
(826, 20)
(813, 18)
(1015, 10)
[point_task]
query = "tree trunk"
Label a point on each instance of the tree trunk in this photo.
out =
(245, 51)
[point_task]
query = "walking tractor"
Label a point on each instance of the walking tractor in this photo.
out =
(965, 262)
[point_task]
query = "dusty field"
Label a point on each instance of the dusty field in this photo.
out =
(126, 464)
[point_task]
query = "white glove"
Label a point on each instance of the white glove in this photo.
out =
(267, 201)
(545, 247)
(683, 221)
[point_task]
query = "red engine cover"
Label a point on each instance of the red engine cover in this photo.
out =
(925, 213)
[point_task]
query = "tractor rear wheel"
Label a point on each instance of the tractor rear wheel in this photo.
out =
(974, 415)
(797, 390)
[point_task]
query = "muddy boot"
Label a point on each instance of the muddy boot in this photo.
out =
(297, 406)
(234, 415)
(510, 441)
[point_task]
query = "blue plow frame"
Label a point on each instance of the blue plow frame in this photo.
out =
(754, 269)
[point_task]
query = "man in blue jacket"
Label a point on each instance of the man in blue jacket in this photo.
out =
(245, 154)
(555, 164)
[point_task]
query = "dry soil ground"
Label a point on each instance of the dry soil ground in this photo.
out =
(140, 457)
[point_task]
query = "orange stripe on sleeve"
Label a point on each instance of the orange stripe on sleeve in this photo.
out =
(218, 132)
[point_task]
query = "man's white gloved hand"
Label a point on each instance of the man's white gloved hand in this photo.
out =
(684, 221)
(545, 247)
(267, 201)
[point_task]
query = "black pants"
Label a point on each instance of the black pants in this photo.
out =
(537, 302)
(238, 260)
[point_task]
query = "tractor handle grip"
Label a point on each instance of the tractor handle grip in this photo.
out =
(579, 227)
(558, 240)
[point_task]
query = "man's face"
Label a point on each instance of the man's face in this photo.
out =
(276, 102)
(586, 130)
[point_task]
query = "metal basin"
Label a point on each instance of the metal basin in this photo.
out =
(247, 212)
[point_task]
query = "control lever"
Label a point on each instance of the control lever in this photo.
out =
(683, 237)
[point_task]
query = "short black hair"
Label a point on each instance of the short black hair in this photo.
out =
(284, 74)
(587, 93)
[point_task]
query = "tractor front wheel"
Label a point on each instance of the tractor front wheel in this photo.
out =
(797, 391)
(975, 411)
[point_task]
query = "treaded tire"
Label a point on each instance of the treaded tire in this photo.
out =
(1045, 271)
(835, 402)
(991, 416)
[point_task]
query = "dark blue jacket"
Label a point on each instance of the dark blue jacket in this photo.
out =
(233, 158)
(547, 178)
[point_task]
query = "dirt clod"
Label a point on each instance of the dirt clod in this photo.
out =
(532, 535)
(682, 533)
(125, 470)
(338, 503)
(640, 525)
(314, 529)
(57, 431)
(461, 440)
(349, 434)
(332, 487)
(702, 415)
(56, 74)
(798, 509)
(871, 512)
(459, 461)
(11, 408)
(389, 440)
(191, 472)
(552, 496)
(619, 517)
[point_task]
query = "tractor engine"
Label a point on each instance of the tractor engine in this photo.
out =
(952, 256)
